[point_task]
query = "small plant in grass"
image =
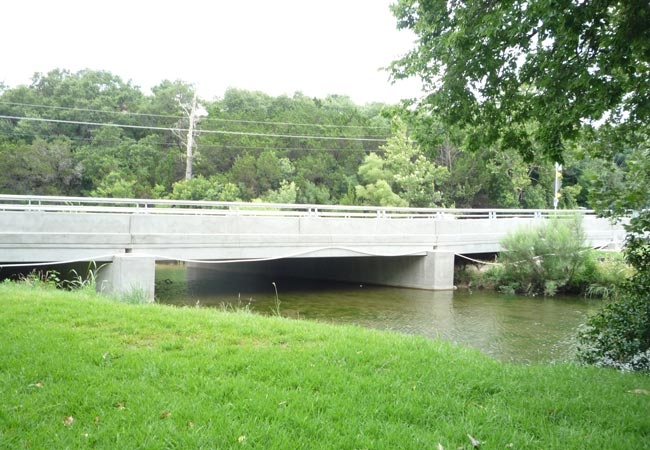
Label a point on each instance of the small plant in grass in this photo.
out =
(80, 281)
(135, 296)
(240, 306)
(42, 279)
(276, 306)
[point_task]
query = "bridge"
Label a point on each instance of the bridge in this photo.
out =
(406, 247)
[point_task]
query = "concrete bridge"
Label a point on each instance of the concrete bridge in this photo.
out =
(405, 247)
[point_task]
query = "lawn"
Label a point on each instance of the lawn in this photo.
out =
(78, 370)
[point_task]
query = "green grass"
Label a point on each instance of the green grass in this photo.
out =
(79, 371)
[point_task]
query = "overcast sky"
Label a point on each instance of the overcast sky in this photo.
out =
(274, 46)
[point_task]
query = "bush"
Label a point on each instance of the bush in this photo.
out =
(605, 274)
(545, 260)
(619, 334)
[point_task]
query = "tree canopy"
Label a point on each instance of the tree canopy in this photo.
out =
(90, 133)
(529, 71)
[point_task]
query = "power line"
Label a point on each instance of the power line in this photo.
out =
(223, 132)
(209, 119)
(200, 146)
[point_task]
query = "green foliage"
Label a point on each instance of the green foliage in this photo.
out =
(547, 259)
(42, 167)
(253, 141)
(499, 67)
(402, 177)
(74, 280)
(114, 185)
(607, 274)
(619, 334)
(48, 279)
(83, 280)
(286, 193)
(200, 188)
(379, 194)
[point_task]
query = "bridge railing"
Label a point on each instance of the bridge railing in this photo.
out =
(10, 202)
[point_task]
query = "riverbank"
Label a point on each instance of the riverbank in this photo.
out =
(79, 371)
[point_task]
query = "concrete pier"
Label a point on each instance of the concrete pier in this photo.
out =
(127, 275)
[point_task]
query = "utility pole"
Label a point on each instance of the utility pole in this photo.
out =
(557, 185)
(190, 140)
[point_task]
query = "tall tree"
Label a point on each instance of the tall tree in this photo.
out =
(555, 64)
(403, 176)
(536, 73)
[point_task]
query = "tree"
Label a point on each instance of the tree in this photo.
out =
(402, 177)
(42, 167)
(269, 171)
(619, 334)
(85, 96)
(555, 64)
(376, 190)
(536, 73)
(199, 188)
(244, 176)
(415, 177)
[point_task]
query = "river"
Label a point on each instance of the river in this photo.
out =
(509, 328)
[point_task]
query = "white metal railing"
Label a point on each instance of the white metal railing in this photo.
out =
(10, 202)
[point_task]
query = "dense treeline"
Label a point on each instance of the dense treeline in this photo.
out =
(90, 133)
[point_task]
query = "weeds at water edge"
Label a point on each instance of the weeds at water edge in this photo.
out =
(276, 307)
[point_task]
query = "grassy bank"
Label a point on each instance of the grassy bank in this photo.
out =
(77, 371)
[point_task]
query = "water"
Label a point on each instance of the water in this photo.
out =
(516, 329)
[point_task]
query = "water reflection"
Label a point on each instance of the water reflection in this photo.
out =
(509, 328)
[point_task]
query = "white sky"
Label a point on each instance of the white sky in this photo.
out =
(274, 46)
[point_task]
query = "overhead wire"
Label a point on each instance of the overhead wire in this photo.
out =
(208, 119)
(221, 132)
(200, 146)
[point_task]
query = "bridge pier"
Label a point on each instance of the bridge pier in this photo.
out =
(433, 271)
(128, 274)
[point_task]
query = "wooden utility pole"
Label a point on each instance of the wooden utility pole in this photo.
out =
(190, 140)
(557, 185)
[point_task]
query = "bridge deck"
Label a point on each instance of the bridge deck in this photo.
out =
(40, 228)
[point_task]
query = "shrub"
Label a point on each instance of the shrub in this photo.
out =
(619, 334)
(605, 274)
(547, 259)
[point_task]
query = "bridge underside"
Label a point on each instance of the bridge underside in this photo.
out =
(130, 273)
(431, 271)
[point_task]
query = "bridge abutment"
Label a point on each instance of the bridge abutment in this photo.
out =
(128, 274)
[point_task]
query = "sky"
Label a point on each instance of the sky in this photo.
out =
(273, 46)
